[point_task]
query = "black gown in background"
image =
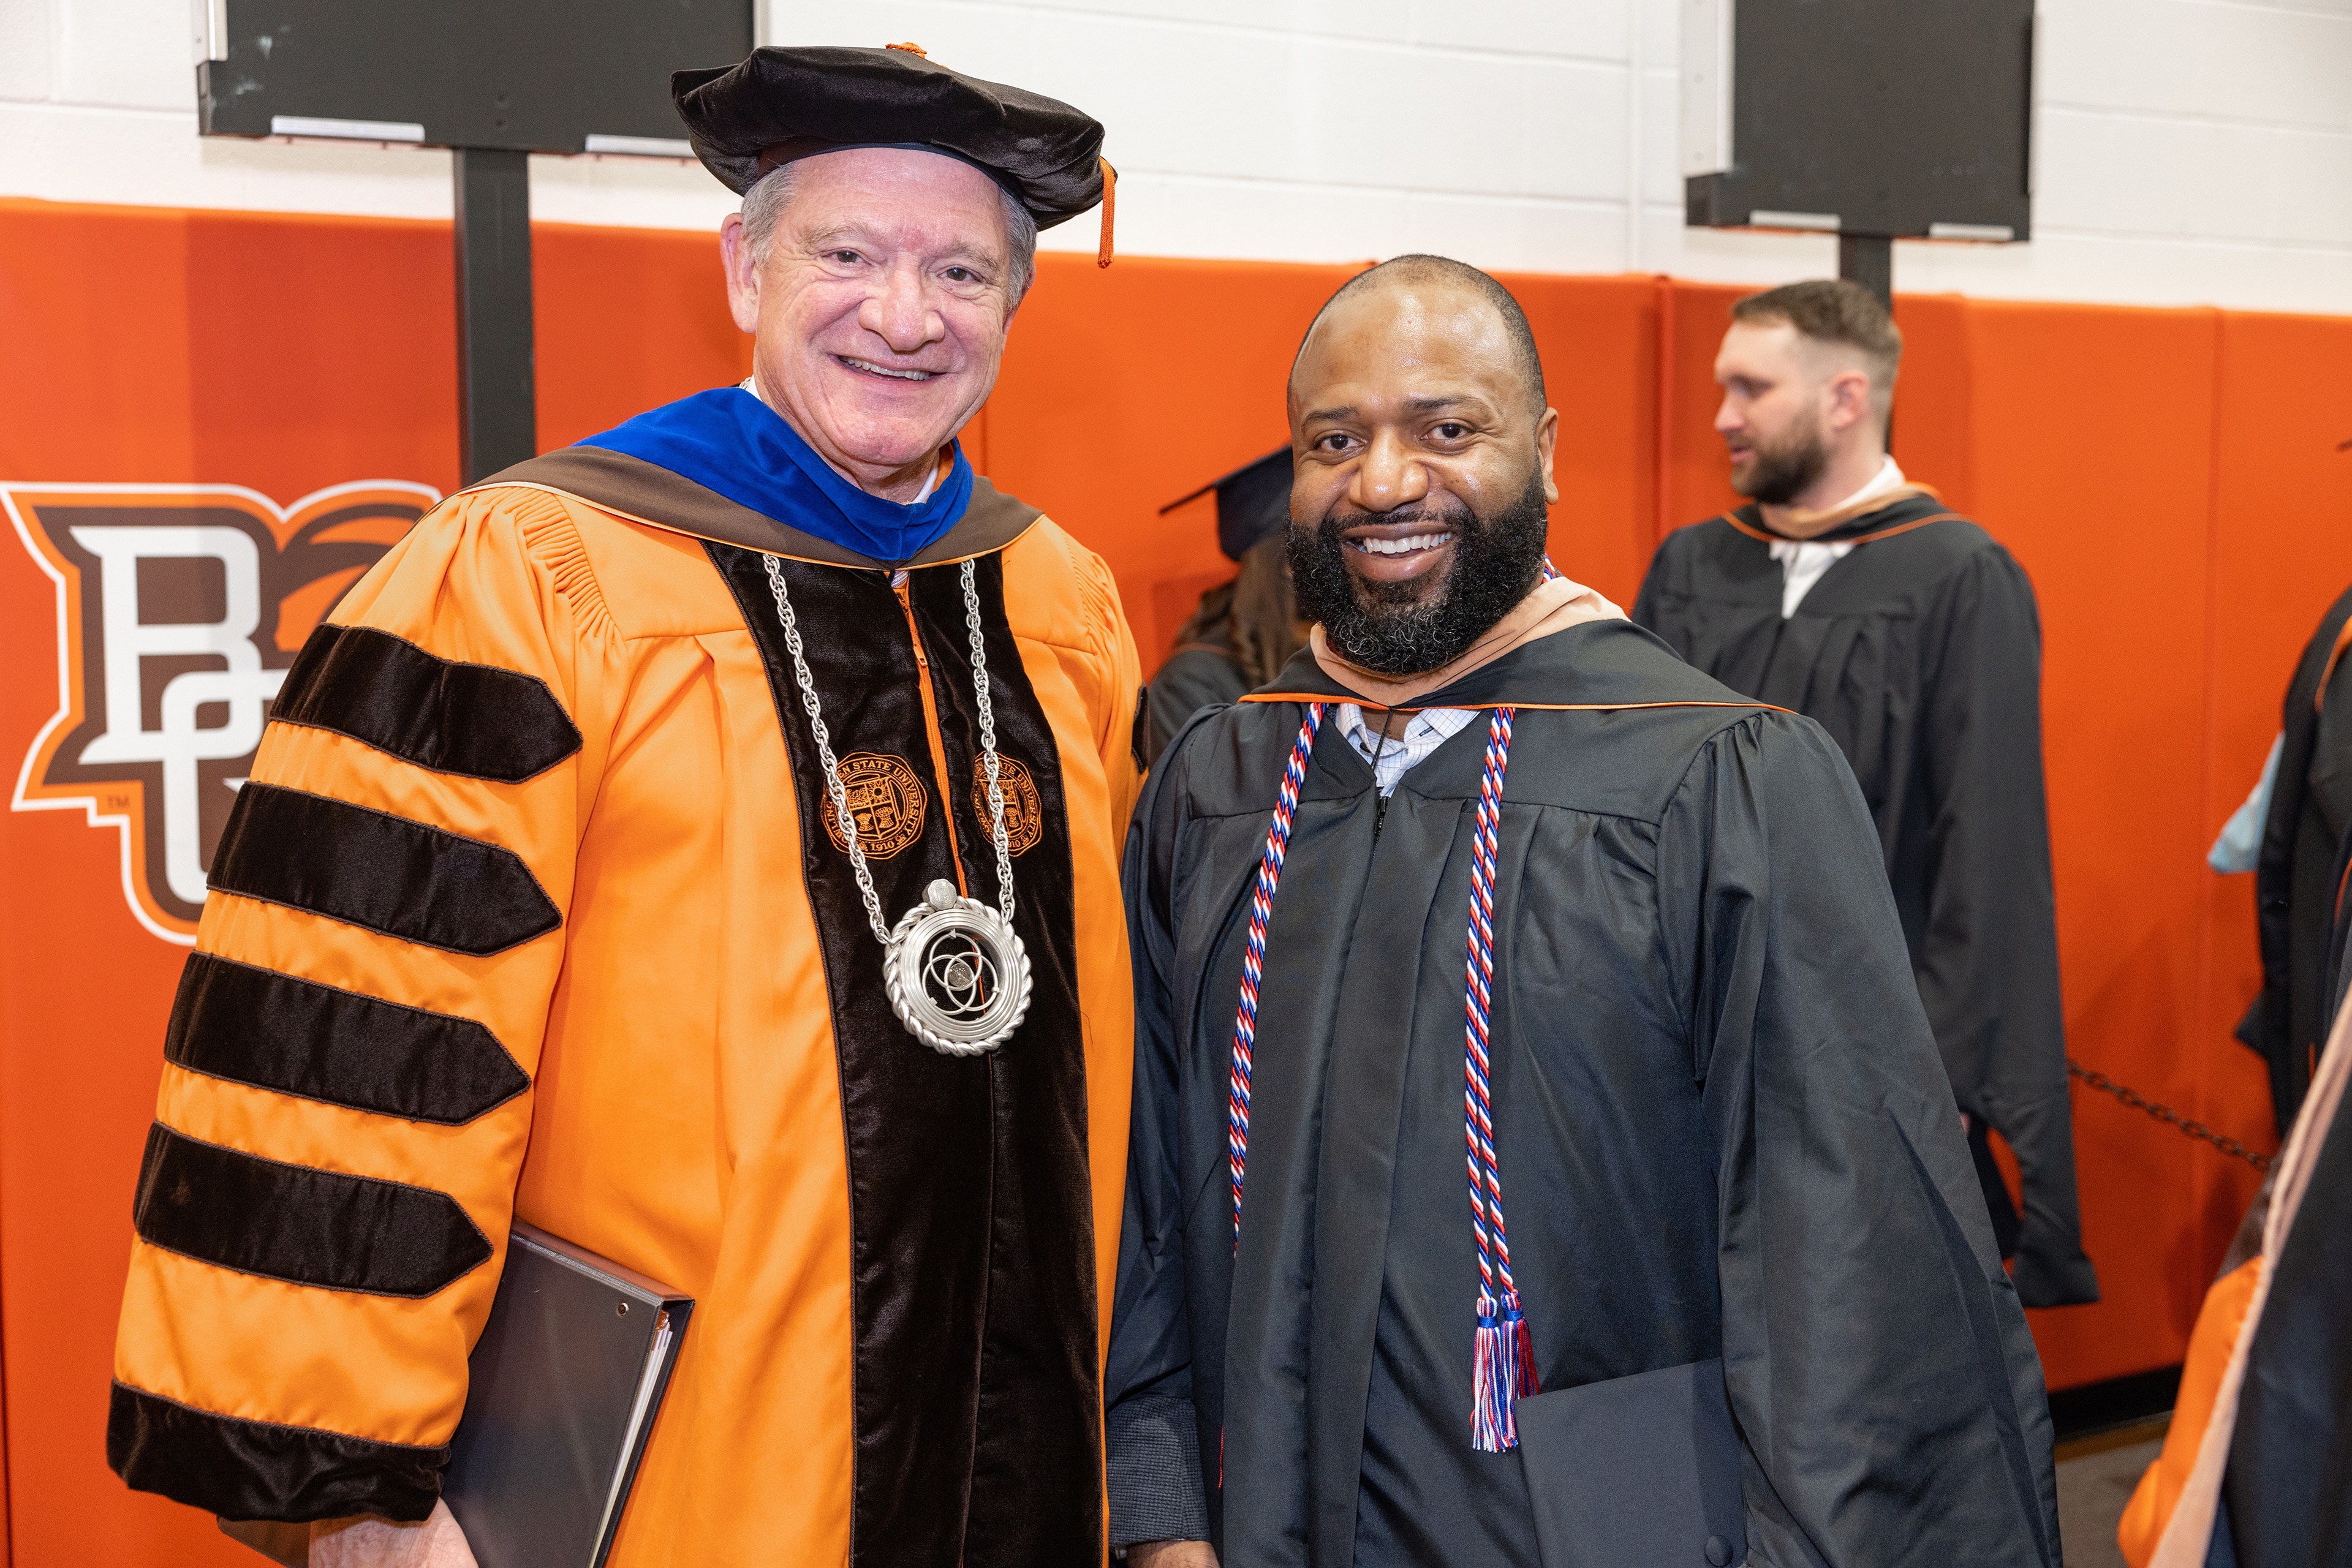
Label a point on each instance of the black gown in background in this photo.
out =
(2288, 1489)
(2298, 875)
(1195, 676)
(1722, 1132)
(1920, 653)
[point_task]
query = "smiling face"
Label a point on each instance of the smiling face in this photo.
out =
(1417, 508)
(880, 308)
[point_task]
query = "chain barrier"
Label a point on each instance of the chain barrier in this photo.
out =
(2166, 1114)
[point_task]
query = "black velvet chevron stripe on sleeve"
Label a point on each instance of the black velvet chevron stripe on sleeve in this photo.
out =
(385, 873)
(275, 1031)
(257, 1470)
(475, 720)
(311, 1227)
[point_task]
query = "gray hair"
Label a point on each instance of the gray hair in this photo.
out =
(765, 203)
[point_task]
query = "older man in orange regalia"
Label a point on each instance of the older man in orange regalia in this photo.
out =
(568, 882)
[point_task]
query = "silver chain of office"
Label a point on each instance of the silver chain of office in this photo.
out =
(956, 971)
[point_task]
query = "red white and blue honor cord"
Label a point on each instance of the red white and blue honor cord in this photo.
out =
(1503, 1356)
(1269, 878)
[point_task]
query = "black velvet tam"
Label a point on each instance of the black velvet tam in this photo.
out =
(1253, 501)
(782, 104)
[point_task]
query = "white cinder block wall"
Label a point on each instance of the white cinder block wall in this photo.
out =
(2187, 151)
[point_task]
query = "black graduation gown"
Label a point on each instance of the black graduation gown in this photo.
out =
(2339, 976)
(1195, 676)
(2295, 874)
(1722, 1127)
(2288, 1489)
(1920, 653)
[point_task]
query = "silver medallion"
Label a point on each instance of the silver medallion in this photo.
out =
(958, 975)
(956, 971)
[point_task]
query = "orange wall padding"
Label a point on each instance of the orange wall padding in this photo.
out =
(2169, 479)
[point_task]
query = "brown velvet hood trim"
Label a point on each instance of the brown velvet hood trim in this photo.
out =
(647, 493)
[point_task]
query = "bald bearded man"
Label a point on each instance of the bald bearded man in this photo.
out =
(1489, 883)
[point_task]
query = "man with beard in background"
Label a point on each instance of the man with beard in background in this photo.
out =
(1855, 597)
(1488, 881)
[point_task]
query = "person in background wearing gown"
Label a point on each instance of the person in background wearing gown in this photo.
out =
(1846, 592)
(1490, 891)
(1245, 630)
(2291, 833)
(2256, 1469)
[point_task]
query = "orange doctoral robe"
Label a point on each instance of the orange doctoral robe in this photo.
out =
(529, 911)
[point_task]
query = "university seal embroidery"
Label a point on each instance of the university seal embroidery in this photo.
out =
(885, 799)
(1024, 819)
(179, 608)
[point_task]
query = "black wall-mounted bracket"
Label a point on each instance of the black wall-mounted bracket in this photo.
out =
(497, 415)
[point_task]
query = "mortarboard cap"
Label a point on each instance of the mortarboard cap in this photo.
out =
(780, 104)
(1253, 501)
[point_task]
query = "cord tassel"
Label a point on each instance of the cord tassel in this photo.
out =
(1502, 1372)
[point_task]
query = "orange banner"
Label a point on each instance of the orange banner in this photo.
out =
(210, 423)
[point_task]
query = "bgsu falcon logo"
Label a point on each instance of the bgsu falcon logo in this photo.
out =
(179, 609)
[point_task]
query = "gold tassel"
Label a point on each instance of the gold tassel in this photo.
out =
(1110, 205)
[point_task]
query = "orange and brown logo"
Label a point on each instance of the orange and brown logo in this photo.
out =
(886, 801)
(178, 609)
(1025, 821)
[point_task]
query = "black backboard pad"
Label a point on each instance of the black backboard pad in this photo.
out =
(1891, 114)
(528, 76)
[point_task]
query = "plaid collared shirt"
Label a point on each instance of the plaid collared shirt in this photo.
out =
(1393, 758)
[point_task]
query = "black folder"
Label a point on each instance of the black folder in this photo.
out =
(562, 1390)
(1636, 1472)
(565, 1383)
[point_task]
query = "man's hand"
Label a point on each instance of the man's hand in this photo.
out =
(1154, 1555)
(371, 1543)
